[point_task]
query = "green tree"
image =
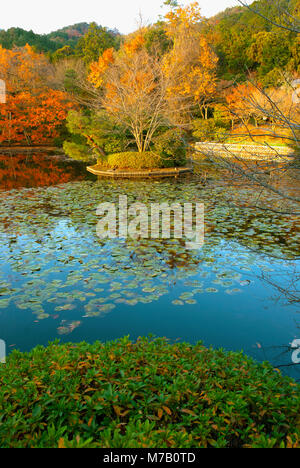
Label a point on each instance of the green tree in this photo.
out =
(94, 136)
(270, 51)
(156, 39)
(62, 53)
(95, 42)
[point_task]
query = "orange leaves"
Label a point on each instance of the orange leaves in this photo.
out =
(181, 17)
(167, 410)
(33, 118)
(190, 65)
(161, 411)
(61, 443)
(189, 412)
(100, 67)
(23, 69)
(33, 112)
(135, 44)
(142, 91)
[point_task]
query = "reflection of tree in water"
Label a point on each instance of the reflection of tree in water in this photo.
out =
(62, 265)
(151, 258)
(287, 293)
(37, 170)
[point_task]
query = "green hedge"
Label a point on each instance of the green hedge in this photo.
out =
(144, 394)
(133, 160)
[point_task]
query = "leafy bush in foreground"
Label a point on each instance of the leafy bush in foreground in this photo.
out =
(144, 394)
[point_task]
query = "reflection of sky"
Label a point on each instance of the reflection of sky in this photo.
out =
(59, 274)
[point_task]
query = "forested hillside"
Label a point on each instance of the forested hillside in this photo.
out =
(68, 36)
(249, 40)
(229, 57)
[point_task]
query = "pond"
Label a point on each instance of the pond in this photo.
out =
(59, 280)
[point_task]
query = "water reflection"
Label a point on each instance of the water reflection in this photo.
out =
(36, 170)
(58, 279)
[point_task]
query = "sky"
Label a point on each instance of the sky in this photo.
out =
(45, 16)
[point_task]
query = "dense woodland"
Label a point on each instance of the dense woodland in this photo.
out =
(62, 86)
(242, 40)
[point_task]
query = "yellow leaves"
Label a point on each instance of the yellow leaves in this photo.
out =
(61, 443)
(190, 412)
(119, 411)
(181, 18)
(99, 68)
(190, 65)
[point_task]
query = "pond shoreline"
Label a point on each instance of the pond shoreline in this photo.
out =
(248, 152)
(146, 173)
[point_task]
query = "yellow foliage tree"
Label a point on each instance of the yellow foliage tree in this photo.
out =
(191, 63)
(142, 91)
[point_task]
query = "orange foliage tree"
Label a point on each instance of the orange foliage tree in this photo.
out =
(33, 112)
(131, 89)
(34, 118)
(142, 91)
(191, 63)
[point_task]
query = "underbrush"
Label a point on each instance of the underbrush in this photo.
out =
(144, 394)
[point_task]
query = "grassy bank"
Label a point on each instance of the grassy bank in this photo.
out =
(144, 394)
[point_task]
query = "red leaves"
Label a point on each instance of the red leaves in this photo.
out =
(33, 118)
(36, 171)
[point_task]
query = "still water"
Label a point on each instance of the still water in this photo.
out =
(58, 280)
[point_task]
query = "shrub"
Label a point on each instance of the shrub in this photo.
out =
(93, 134)
(171, 148)
(134, 160)
(148, 393)
(208, 130)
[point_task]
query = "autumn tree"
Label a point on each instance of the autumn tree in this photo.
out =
(278, 106)
(133, 89)
(190, 65)
(95, 42)
(33, 118)
(24, 70)
(144, 90)
(34, 112)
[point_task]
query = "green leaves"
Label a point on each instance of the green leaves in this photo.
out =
(148, 393)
